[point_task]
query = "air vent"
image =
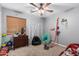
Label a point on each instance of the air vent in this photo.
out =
(18, 12)
(70, 9)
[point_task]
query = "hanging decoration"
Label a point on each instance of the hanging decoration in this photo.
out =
(57, 32)
(64, 22)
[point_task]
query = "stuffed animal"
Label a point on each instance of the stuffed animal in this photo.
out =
(4, 51)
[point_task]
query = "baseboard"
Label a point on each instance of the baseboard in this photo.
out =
(60, 44)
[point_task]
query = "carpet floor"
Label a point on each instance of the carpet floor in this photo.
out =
(36, 51)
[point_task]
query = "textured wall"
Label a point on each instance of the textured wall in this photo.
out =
(34, 24)
(69, 34)
(0, 24)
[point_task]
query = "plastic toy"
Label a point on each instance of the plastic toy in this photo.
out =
(9, 43)
(5, 39)
(3, 45)
(3, 35)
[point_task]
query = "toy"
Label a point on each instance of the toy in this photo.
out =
(9, 43)
(3, 45)
(77, 51)
(4, 51)
(3, 35)
(5, 39)
(72, 49)
(10, 36)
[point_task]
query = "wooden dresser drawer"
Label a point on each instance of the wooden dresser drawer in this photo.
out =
(20, 41)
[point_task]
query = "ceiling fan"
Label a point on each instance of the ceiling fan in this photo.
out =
(42, 8)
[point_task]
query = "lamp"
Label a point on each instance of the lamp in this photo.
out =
(42, 8)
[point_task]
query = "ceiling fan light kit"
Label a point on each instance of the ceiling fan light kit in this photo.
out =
(42, 8)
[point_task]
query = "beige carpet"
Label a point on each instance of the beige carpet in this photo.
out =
(36, 51)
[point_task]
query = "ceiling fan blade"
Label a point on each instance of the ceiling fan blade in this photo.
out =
(32, 11)
(47, 4)
(34, 5)
(41, 5)
(49, 10)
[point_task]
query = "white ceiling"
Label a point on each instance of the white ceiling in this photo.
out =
(26, 7)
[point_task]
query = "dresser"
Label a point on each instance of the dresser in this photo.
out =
(20, 41)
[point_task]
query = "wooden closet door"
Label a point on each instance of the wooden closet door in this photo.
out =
(15, 24)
